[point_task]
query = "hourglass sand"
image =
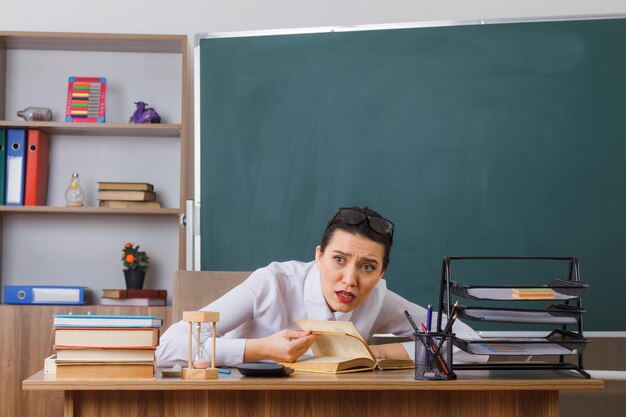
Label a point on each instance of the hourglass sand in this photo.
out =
(198, 364)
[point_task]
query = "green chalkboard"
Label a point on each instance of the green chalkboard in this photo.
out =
(497, 139)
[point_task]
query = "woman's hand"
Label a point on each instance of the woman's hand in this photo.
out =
(284, 346)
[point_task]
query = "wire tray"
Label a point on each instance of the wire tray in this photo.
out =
(559, 342)
(558, 289)
(555, 314)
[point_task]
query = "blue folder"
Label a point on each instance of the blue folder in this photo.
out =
(15, 167)
(3, 161)
(44, 294)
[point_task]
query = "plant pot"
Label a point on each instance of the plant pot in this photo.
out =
(134, 278)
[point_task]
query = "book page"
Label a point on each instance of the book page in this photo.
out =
(321, 359)
(340, 344)
(336, 338)
(329, 326)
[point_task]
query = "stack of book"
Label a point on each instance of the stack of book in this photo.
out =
(134, 297)
(127, 195)
(90, 346)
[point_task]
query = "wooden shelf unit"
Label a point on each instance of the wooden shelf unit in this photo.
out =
(102, 49)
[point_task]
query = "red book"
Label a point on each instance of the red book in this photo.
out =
(150, 293)
(37, 153)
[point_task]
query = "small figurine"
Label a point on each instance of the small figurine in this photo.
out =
(37, 114)
(144, 114)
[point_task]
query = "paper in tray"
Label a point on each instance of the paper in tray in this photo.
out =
(558, 289)
(559, 342)
(555, 314)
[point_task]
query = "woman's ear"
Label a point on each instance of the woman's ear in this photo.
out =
(318, 255)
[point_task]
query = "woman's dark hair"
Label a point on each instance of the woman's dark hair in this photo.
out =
(358, 221)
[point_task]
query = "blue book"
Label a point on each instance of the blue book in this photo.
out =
(15, 167)
(43, 294)
(105, 321)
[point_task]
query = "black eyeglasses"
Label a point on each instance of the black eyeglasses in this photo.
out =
(355, 217)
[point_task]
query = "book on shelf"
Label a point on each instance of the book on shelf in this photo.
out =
(129, 204)
(105, 355)
(106, 338)
(104, 370)
(128, 186)
(105, 320)
(144, 293)
(340, 348)
(124, 195)
(138, 302)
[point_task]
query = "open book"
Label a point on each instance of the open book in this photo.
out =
(340, 348)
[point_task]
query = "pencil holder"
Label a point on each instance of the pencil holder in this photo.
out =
(433, 356)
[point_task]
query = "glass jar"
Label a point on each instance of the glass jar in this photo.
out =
(74, 195)
(36, 114)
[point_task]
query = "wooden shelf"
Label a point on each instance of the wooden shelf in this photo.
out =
(100, 129)
(93, 42)
(4, 210)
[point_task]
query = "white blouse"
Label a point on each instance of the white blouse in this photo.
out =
(272, 297)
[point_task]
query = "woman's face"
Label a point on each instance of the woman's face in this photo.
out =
(350, 267)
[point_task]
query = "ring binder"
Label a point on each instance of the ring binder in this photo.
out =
(43, 294)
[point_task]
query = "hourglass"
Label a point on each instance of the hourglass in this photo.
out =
(198, 364)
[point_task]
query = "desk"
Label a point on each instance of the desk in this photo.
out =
(379, 394)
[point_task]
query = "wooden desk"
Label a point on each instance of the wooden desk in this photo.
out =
(379, 394)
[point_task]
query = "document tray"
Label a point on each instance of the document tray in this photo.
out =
(554, 314)
(559, 342)
(558, 289)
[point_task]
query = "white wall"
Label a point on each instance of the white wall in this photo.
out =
(194, 16)
(191, 17)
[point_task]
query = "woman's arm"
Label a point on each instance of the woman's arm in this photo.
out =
(284, 346)
(237, 307)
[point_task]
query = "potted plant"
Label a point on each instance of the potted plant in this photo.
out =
(136, 263)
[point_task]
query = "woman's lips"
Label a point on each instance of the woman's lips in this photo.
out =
(344, 296)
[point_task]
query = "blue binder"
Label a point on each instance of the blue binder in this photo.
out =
(3, 161)
(15, 167)
(43, 294)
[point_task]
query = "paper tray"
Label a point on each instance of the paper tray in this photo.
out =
(558, 289)
(559, 342)
(555, 314)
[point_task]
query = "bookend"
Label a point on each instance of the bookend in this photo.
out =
(559, 343)
(198, 356)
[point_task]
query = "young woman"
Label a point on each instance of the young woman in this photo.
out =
(343, 283)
